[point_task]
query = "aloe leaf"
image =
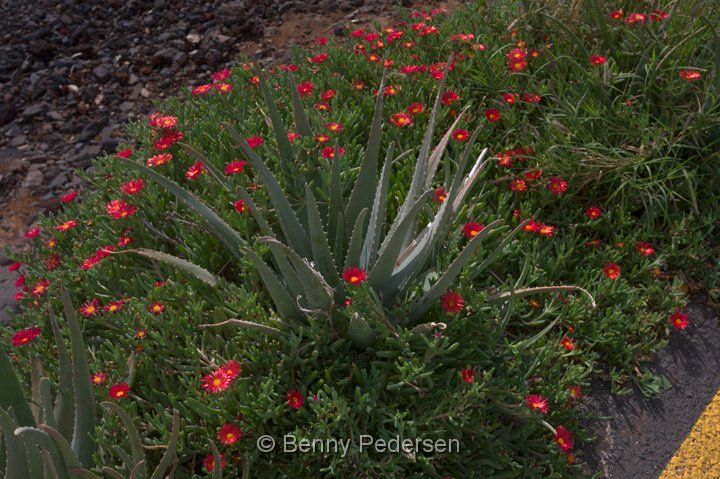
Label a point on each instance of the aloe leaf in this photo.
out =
(11, 393)
(218, 226)
(200, 273)
(469, 181)
(84, 473)
(497, 251)
(286, 152)
(336, 208)
(217, 462)
(436, 155)
(124, 457)
(269, 330)
(219, 177)
(523, 345)
(383, 267)
(519, 293)
(83, 442)
(136, 472)
(44, 442)
(353, 253)
(36, 373)
(64, 410)
(284, 303)
(136, 448)
(109, 471)
(16, 465)
(367, 177)
(294, 233)
(46, 403)
(442, 284)
(301, 119)
(69, 457)
(422, 164)
(318, 293)
(339, 241)
(360, 332)
(319, 240)
(169, 455)
(377, 215)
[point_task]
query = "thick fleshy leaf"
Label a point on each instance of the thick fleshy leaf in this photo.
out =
(83, 442)
(11, 393)
(16, 458)
(360, 332)
(169, 455)
(367, 176)
(319, 241)
(46, 403)
(377, 215)
(301, 119)
(217, 462)
(200, 273)
(440, 287)
(287, 156)
(44, 442)
(64, 410)
(68, 455)
(293, 230)
(136, 448)
(356, 241)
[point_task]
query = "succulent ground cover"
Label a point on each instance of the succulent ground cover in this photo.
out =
(440, 230)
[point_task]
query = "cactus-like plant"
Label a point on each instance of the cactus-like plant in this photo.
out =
(58, 440)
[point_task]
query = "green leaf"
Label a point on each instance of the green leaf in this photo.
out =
(83, 442)
(367, 177)
(286, 152)
(319, 240)
(11, 393)
(169, 455)
(360, 332)
(356, 241)
(17, 465)
(378, 215)
(64, 411)
(218, 226)
(440, 287)
(47, 403)
(200, 273)
(269, 330)
(44, 442)
(217, 462)
(336, 229)
(109, 471)
(136, 448)
(68, 456)
(519, 293)
(294, 233)
(301, 119)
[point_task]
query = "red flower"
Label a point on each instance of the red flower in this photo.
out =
(449, 97)
(460, 135)
(52, 262)
(319, 58)
(633, 18)
(99, 378)
(452, 302)
(292, 136)
(334, 127)
(467, 375)
(295, 399)
(532, 175)
(229, 434)
(658, 16)
(25, 336)
(68, 197)
(532, 226)
(354, 275)
(531, 98)
(209, 462)
(217, 381)
(90, 308)
(254, 141)
(19, 281)
(575, 391)
(644, 248)
(67, 225)
(563, 438)
(690, 75)
(32, 233)
(156, 308)
(118, 391)
(593, 212)
(124, 241)
(401, 119)
(329, 152)
(546, 230)
(470, 230)
(537, 402)
(114, 306)
(232, 368)
(518, 185)
(679, 320)
(567, 343)
(327, 95)
(557, 185)
(14, 267)
(322, 138)
(201, 90)
(611, 270)
(234, 167)
(516, 65)
(439, 195)
(616, 15)
(221, 75)
(492, 114)
(415, 108)
(240, 206)
(40, 287)
(195, 171)
(516, 54)
(118, 209)
(159, 160)
(358, 85)
(126, 153)
(510, 98)
(597, 60)
(133, 187)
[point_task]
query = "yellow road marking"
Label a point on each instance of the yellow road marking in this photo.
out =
(699, 455)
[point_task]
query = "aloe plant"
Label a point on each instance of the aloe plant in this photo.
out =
(58, 440)
(316, 243)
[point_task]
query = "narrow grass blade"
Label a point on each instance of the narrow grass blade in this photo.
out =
(200, 273)
(136, 448)
(83, 442)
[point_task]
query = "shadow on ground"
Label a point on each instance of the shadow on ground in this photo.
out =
(643, 434)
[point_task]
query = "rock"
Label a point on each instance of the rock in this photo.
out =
(101, 73)
(13, 131)
(84, 157)
(33, 178)
(41, 49)
(34, 110)
(164, 57)
(18, 141)
(54, 115)
(91, 130)
(8, 112)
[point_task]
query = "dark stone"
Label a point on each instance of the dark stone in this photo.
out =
(101, 73)
(41, 49)
(91, 130)
(34, 110)
(8, 112)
